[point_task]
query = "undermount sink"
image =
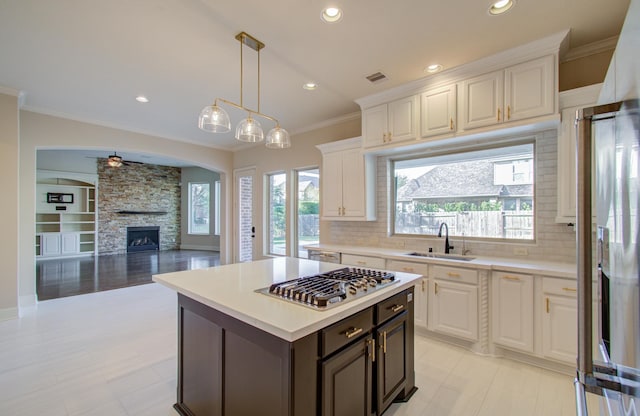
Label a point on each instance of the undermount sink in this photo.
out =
(441, 256)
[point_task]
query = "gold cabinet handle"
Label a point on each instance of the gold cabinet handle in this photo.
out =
(498, 114)
(436, 288)
(423, 285)
(389, 137)
(372, 353)
(547, 299)
(569, 289)
(396, 308)
(452, 274)
(514, 278)
(508, 112)
(350, 333)
(362, 263)
(451, 124)
(384, 342)
(407, 269)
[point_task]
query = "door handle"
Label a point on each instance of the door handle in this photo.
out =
(253, 232)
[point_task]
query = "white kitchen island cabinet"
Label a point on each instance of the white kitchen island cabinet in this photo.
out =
(241, 352)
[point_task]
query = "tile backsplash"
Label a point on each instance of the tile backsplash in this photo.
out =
(554, 242)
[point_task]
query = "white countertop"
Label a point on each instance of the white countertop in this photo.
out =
(231, 289)
(514, 265)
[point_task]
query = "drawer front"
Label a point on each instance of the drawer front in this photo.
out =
(561, 287)
(391, 307)
(455, 274)
(408, 267)
(344, 332)
(363, 261)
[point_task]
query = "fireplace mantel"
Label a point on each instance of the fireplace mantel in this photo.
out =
(142, 212)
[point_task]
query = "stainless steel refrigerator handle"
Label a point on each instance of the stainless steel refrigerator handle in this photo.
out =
(584, 118)
(583, 242)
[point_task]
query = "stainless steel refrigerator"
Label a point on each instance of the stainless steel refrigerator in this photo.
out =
(608, 240)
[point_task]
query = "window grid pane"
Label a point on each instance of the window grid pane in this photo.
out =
(199, 208)
(482, 193)
(277, 211)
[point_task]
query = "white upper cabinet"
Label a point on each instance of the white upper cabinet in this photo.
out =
(519, 92)
(570, 102)
(438, 111)
(347, 182)
(390, 123)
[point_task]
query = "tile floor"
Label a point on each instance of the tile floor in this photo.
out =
(114, 353)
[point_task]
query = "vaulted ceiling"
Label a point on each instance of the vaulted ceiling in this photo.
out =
(89, 59)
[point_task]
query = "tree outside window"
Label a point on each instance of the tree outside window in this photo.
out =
(199, 202)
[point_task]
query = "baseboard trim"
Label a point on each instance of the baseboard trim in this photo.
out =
(8, 313)
(197, 247)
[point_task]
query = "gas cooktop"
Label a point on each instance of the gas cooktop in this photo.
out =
(332, 288)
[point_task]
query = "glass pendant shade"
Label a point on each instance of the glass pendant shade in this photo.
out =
(278, 138)
(249, 130)
(214, 119)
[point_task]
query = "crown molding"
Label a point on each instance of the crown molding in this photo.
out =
(593, 48)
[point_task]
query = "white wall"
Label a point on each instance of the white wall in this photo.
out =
(190, 241)
(60, 160)
(9, 211)
(38, 131)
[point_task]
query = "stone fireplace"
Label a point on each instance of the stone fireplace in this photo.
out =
(143, 238)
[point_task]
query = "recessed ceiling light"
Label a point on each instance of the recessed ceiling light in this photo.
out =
(501, 6)
(310, 86)
(433, 68)
(142, 99)
(331, 14)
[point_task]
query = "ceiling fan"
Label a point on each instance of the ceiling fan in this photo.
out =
(116, 161)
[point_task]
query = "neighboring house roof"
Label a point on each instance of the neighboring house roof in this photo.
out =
(472, 179)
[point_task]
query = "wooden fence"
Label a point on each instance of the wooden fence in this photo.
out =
(493, 224)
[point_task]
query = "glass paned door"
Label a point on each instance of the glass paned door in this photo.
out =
(244, 220)
(307, 210)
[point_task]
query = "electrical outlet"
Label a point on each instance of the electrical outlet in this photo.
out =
(520, 251)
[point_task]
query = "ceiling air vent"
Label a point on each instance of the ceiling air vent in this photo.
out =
(377, 77)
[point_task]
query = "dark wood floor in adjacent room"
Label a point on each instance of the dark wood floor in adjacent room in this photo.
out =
(57, 278)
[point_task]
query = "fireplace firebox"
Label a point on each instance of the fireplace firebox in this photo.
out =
(143, 238)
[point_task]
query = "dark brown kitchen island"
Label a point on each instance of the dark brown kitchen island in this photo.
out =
(259, 355)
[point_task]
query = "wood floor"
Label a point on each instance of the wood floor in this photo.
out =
(113, 353)
(56, 278)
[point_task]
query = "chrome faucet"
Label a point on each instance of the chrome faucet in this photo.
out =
(447, 247)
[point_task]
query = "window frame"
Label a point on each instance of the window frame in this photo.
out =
(190, 219)
(447, 152)
(268, 247)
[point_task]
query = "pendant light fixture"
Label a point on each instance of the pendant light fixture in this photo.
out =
(214, 118)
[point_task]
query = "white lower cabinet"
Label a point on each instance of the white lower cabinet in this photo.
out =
(59, 244)
(559, 317)
(453, 302)
(512, 310)
(421, 290)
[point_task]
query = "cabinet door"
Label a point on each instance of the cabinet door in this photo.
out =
(332, 184)
(353, 180)
(347, 381)
(374, 126)
(402, 119)
(529, 89)
(438, 111)
(70, 243)
(453, 309)
(482, 100)
(512, 310)
(50, 244)
(559, 330)
(391, 376)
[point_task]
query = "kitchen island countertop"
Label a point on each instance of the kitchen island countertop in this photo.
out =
(231, 289)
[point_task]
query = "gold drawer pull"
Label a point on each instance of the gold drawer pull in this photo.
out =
(569, 289)
(451, 124)
(350, 333)
(362, 263)
(452, 274)
(498, 114)
(396, 308)
(372, 354)
(547, 299)
(508, 112)
(384, 342)
(514, 278)
(407, 269)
